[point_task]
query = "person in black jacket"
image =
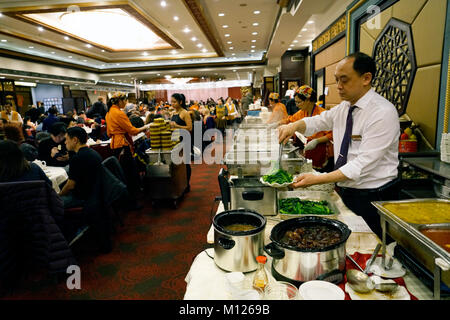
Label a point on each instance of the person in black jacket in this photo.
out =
(53, 150)
(98, 109)
(83, 168)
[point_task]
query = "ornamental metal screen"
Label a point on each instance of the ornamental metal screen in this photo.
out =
(396, 63)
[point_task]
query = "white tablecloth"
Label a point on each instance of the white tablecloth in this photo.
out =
(57, 175)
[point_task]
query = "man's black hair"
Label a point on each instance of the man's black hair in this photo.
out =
(363, 64)
(58, 128)
(78, 132)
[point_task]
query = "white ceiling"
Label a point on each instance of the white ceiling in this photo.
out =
(238, 15)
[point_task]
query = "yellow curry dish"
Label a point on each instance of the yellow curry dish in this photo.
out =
(421, 212)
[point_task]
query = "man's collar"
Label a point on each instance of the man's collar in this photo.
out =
(365, 99)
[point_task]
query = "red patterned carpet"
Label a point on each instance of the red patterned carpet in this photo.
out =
(151, 254)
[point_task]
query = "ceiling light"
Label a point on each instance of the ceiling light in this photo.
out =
(253, 40)
(227, 35)
(304, 29)
(173, 51)
(225, 26)
(256, 24)
(289, 49)
(4, 40)
(163, 4)
(66, 38)
(117, 64)
(199, 45)
(31, 47)
(295, 41)
(186, 30)
(291, 45)
(204, 50)
(257, 12)
(168, 77)
(1, 14)
(145, 54)
(70, 57)
(253, 46)
(221, 14)
(231, 48)
(194, 39)
(103, 50)
(88, 46)
(234, 70)
(51, 82)
(229, 42)
(252, 50)
(158, 74)
(254, 33)
(299, 36)
(53, 52)
(40, 29)
(310, 22)
(76, 84)
(233, 54)
(176, 18)
(84, 60)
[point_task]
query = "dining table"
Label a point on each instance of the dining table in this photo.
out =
(206, 281)
(56, 175)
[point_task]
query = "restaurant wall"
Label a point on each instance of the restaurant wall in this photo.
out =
(42, 91)
(427, 19)
(328, 59)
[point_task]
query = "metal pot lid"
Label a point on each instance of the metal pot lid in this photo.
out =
(287, 225)
(243, 216)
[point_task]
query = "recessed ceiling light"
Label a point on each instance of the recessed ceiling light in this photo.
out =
(62, 82)
(84, 60)
(256, 24)
(163, 4)
(186, 30)
(51, 82)
(299, 36)
(31, 47)
(173, 51)
(257, 12)
(295, 41)
(66, 38)
(117, 64)
(176, 18)
(70, 57)
(253, 46)
(253, 40)
(234, 70)
(221, 14)
(158, 74)
(231, 48)
(289, 49)
(4, 40)
(1, 14)
(291, 45)
(227, 35)
(53, 52)
(145, 54)
(233, 54)
(310, 22)
(112, 79)
(103, 65)
(103, 50)
(225, 26)
(229, 42)
(40, 29)
(252, 50)
(304, 29)
(204, 50)
(199, 45)
(254, 33)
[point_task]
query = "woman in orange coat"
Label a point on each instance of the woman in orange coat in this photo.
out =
(319, 147)
(120, 130)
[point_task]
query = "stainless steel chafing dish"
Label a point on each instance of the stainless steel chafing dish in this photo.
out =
(309, 195)
(255, 164)
(435, 258)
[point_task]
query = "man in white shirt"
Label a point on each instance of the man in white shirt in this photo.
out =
(366, 131)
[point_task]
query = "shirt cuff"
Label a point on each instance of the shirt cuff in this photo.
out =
(351, 171)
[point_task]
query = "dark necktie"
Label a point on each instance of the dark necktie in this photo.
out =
(342, 158)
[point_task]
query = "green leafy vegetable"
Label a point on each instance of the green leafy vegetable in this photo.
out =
(297, 206)
(280, 177)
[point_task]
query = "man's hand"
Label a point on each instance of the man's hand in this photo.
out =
(285, 132)
(305, 180)
(63, 158)
(54, 151)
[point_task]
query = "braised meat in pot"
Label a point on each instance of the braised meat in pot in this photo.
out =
(312, 237)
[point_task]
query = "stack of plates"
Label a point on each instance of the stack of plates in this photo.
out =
(320, 290)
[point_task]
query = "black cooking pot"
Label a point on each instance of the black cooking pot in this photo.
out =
(298, 265)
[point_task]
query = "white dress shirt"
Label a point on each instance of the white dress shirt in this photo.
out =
(372, 158)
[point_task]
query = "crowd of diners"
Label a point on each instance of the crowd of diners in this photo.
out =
(62, 140)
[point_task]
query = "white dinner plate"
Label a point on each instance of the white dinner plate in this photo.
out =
(320, 290)
(276, 185)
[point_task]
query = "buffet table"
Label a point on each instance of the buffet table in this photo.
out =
(205, 281)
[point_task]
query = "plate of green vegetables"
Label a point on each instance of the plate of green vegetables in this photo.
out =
(277, 179)
(298, 207)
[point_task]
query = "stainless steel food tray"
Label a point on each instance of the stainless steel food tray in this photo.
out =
(308, 195)
(435, 258)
